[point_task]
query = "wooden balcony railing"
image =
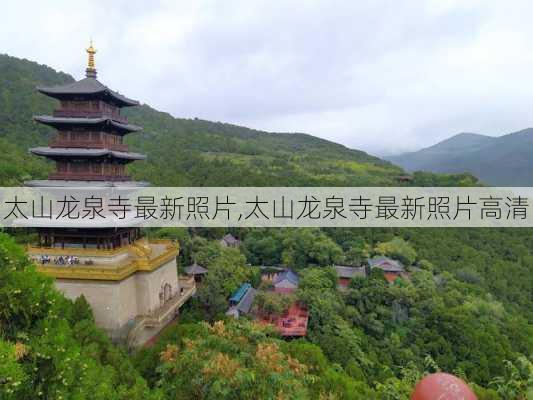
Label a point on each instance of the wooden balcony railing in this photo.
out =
(76, 251)
(89, 114)
(170, 247)
(119, 272)
(87, 144)
(85, 176)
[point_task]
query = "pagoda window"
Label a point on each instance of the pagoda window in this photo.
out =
(113, 169)
(113, 139)
(96, 169)
(63, 135)
(79, 105)
(83, 107)
(62, 166)
(75, 167)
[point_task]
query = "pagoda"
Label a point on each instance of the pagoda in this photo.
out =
(130, 282)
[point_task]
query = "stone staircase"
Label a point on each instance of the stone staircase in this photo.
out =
(146, 326)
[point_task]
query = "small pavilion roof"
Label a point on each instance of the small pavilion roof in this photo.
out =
(230, 239)
(287, 275)
(79, 152)
(239, 293)
(245, 305)
(90, 87)
(195, 269)
(386, 264)
(62, 121)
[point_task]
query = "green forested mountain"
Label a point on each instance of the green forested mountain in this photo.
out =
(18, 102)
(203, 153)
(466, 309)
(189, 152)
(497, 161)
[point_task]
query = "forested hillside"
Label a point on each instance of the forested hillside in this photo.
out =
(497, 161)
(466, 308)
(190, 152)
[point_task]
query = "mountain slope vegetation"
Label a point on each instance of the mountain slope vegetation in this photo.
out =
(466, 308)
(190, 152)
(497, 161)
(184, 151)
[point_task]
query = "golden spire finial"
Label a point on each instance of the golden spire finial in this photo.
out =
(91, 68)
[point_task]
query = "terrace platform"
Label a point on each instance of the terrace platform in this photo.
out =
(104, 264)
(292, 323)
(134, 290)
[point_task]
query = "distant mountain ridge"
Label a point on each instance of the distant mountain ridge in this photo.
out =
(498, 161)
(460, 141)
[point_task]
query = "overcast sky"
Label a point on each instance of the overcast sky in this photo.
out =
(381, 76)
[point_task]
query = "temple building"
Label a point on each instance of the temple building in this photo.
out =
(131, 283)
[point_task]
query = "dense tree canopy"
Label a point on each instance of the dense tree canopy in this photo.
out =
(50, 347)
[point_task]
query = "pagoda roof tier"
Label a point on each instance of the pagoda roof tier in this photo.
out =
(59, 152)
(59, 183)
(88, 87)
(80, 227)
(81, 121)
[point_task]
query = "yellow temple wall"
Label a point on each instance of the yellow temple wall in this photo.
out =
(114, 303)
(151, 284)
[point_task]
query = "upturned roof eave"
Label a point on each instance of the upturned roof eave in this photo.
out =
(55, 121)
(53, 152)
(87, 86)
(62, 183)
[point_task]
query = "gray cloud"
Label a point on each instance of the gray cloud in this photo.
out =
(382, 76)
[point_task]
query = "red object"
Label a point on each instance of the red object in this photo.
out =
(442, 386)
(344, 282)
(292, 323)
(391, 276)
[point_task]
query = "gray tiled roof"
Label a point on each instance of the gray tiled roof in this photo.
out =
(55, 121)
(73, 152)
(89, 86)
(386, 264)
(195, 269)
(349, 272)
(246, 302)
(111, 221)
(289, 275)
(230, 239)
